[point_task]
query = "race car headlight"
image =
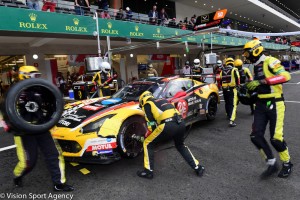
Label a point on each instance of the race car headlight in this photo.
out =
(96, 125)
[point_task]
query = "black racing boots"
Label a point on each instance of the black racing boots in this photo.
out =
(199, 170)
(286, 170)
(269, 171)
(63, 188)
(146, 173)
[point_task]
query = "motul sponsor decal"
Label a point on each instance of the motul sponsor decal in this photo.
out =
(102, 146)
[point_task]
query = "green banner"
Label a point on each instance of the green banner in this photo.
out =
(24, 20)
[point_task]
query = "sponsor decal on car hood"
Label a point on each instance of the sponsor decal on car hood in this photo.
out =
(82, 112)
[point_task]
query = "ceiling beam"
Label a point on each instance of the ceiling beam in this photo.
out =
(37, 42)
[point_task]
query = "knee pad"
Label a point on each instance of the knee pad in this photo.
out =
(278, 145)
(257, 141)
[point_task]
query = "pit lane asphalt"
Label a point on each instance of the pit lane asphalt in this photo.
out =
(232, 163)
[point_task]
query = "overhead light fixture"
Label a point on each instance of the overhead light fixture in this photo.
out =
(35, 56)
(60, 56)
(131, 55)
(196, 1)
(204, 4)
(184, 55)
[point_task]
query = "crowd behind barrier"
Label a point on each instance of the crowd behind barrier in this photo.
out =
(83, 7)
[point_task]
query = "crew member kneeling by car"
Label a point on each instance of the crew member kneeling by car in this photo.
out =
(27, 149)
(165, 123)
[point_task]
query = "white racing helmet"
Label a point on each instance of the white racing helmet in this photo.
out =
(197, 62)
(219, 63)
(105, 67)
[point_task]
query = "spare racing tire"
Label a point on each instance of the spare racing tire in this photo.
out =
(32, 106)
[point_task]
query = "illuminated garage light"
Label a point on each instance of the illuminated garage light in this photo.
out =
(35, 56)
(131, 55)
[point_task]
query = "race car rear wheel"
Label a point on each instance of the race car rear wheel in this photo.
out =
(128, 146)
(212, 107)
(32, 106)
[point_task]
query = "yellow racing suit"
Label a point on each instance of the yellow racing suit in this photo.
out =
(230, 79)
(165, 123)
(245, 76)
(270, 107)
(103, 87)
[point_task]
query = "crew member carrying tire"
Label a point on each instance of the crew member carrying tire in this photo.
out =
(165, 123)
(269, 75)
(102, 79)
(230, 80)
(27, 143)
(245, 76)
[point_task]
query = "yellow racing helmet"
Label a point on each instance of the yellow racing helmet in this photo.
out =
(253, 49)
(26, 72)
(229, 61)
(238, 63)
(144, 97)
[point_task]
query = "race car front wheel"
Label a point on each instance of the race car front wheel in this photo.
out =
(32, 106)
(128, 146)
(211, 107)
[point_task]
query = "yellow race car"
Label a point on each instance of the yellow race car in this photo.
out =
(101, 130)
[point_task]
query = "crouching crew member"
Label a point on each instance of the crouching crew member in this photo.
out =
(269, 75)
(165, 123)
(230, 79)
(245, 76)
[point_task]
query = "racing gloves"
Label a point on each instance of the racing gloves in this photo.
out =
(252, 85)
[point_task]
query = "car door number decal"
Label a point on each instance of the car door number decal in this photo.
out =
(182, 107)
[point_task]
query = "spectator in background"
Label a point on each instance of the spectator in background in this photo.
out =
(153, 16)
(186, 70)
(192, 22)
(128, 14)
(297, 63)
(49, 5)
(33, 4)
(163, 17)
(60, 82)
(105, 15)
(120, 14)
(228, 28)
(102, 4)
(80, 5)
(172, 23)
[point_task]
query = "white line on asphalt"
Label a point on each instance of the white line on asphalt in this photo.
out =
(292, 101)
(297, 72)
(291, 83)
(7, 148)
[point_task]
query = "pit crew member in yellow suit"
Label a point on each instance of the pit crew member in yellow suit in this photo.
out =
(27, 149)
(245, 76)
(269, 75)
(165, 123)
(230, 79)
(102, 78)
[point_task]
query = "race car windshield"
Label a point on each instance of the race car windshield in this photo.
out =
(132, 92)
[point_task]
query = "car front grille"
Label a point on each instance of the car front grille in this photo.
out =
(69, 146)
